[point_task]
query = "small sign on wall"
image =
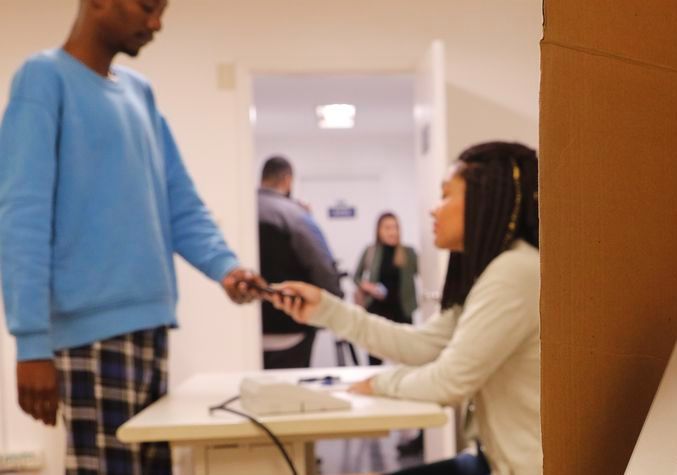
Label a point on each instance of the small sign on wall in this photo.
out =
(342, 210)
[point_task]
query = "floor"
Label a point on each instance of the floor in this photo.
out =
(362, 456)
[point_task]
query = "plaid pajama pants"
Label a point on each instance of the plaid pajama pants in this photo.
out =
(102, 385)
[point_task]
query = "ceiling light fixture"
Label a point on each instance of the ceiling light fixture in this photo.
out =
(336, 116)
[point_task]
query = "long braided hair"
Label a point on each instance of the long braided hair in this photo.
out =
(501, 205)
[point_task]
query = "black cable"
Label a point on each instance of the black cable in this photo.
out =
(224, 407)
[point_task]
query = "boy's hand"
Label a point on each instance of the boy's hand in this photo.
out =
(240, 285)
(38, 389)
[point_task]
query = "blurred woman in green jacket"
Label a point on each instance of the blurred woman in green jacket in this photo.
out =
(385, 275)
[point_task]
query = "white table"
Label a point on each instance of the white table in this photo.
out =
(225, 443)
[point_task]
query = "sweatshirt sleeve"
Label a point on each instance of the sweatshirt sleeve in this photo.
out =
(496, 319)
(195, 235)
(310, 245)
(414, 260)
(28, 154)
(357, 276)
(400, 342)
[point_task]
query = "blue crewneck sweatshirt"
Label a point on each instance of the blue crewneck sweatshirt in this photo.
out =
(94, 202)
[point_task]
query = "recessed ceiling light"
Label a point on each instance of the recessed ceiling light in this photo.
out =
(336, 116)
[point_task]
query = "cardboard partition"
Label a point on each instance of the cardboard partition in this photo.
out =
(608, 159)
(630, 30)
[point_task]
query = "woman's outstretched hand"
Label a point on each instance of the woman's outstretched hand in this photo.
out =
(365, 387)
(297, 299)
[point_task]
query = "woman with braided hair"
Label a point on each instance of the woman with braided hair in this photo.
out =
(484, 343)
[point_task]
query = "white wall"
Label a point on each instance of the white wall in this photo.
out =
(493, 73)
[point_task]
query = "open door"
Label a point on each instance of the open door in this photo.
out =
(430, 117)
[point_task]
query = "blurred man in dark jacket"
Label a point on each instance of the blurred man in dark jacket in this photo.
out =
(291, 247)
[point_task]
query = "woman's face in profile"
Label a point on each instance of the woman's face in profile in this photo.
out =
(449, 216)
(389, 232)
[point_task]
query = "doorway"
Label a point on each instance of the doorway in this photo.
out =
(347, 175)
(426, 114)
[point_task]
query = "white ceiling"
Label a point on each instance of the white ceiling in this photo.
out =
(285, 104)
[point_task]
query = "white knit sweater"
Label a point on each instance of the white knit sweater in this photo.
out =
(488, 349)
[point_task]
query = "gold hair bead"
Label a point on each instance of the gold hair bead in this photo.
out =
(512, 225)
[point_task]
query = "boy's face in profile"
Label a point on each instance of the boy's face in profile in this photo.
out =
(127, 26)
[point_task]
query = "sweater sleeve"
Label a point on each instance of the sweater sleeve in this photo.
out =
(27, 181)
(357, 277)
(495, 320)
(195, 235)
(414, 260)
(403, 343)
(309, 244)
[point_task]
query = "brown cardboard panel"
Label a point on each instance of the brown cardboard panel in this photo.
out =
(608, 253)
(609, 200)
(640, 30)
(598, 402)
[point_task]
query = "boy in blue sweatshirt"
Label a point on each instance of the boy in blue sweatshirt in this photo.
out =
(94, 202)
